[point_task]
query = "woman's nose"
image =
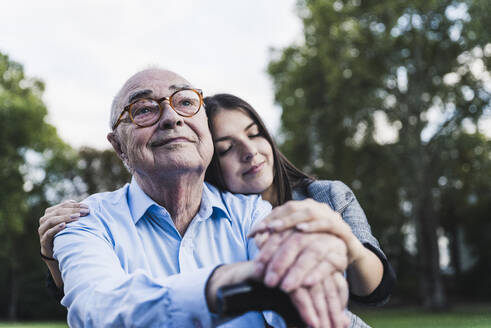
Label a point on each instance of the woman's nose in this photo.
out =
(248, 151)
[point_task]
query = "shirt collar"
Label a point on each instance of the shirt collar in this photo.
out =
(139, 202)
(212, 203)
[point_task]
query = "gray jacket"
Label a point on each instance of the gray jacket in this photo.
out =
(342, 200)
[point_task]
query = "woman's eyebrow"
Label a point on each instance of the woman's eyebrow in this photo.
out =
(249, 126)
(228, 137)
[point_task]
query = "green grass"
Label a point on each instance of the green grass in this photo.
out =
(468, 316)
(33, 324)
(459, 317)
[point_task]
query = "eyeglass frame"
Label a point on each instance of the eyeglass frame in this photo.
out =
(126, 108)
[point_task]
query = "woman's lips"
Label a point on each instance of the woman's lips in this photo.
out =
(254, 169)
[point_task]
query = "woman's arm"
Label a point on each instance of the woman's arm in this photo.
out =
(54, 220)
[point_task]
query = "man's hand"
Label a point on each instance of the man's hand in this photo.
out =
(307, 264)
(323, 304)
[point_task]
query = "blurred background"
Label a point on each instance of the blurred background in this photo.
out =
(391, 97)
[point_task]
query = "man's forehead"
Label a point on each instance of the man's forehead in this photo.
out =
(139, 92)
(156, 82)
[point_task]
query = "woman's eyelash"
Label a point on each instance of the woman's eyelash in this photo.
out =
(223, 152)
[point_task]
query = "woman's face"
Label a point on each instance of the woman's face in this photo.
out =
(245, 156)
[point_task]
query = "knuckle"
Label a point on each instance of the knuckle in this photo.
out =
(276, 266)
(291, 205)
(42, 219)
(296, 239)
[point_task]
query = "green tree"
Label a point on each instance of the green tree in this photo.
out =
(37, 170)
(28, 145)
(419, 66)
(100, 170)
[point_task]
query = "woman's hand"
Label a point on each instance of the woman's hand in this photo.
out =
(291, 259)
(309, 216)
(365, 269)
(55, 219)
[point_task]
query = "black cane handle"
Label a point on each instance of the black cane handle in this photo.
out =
(235, 300)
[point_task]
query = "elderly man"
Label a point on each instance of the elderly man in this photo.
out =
(149, 253)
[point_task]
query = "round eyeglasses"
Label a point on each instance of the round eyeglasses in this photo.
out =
(146, 111)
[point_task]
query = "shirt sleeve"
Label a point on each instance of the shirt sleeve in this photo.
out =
(260, 210)
(99, 293)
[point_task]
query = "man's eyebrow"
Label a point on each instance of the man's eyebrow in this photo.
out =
(139, 94)
(179, 86)
(147, 92)
(227, 137)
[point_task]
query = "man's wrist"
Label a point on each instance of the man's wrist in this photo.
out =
(228, 274)
(46, 258)
(210, 290)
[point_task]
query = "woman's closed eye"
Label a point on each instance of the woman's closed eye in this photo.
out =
(224, 149)
(255, 135)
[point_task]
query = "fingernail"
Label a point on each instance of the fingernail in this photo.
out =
(82, 205)
(74, 215)
(84, 211)
(271, 279)
(309, 280)
(276, 224)
(302, 226)
(61, 225)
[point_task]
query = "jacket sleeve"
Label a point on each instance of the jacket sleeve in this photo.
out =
(342, 199)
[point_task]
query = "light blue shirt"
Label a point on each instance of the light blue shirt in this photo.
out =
(125, 264)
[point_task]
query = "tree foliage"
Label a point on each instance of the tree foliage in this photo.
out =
(37, 170)
(29, 146)
(419, 69)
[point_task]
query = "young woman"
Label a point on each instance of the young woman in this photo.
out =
(246, 160)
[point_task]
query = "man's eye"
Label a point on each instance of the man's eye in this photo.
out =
(142, 111)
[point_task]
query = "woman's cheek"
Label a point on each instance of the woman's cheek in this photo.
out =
(226, 167)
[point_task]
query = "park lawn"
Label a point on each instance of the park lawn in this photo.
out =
(33, 324)
(478, 316)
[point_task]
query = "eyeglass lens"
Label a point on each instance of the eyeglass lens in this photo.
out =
(147, 111)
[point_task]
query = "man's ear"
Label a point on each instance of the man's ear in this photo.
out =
(118, 147)
(113, 138)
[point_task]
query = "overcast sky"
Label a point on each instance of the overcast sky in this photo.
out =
(85, 50)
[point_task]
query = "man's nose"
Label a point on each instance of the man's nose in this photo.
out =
(169, 119)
